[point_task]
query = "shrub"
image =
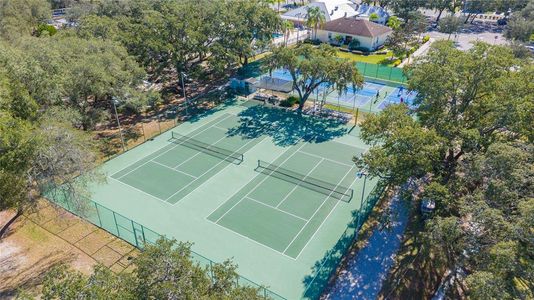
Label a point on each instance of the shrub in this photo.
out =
(312, 41)
(396, 62)
(45, 30)
(289, 102)
(426, 38)
(354, 44)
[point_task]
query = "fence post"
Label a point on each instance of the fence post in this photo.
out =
(98, 214)
(143, 233)
(135, 234)
(116, 224)
(212, 277)
(377, 68)
(364, 69)
(390, 72)
(143, 130)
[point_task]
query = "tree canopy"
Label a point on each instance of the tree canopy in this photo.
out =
(312, 67)
(469, 143)
(161, 271)
(198, 37)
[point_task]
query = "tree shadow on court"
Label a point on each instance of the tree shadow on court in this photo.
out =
(322, 271)
(201, 110)
(286, 128)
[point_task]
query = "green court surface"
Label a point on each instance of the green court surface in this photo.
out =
(285, 231)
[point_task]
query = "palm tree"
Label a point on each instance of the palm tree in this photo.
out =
(275, 2)
(394, 23)
(287, 26)
(373, 17)
(315, 19)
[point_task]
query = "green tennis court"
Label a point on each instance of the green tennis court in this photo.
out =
(283, 215)
(274, 190)
(177, 169)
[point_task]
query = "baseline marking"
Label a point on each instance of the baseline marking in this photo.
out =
(141, 191)
(254, 241)
(328, 159)
(324, 201)
(161, 153)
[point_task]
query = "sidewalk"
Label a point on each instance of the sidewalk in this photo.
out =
(421, 51)
(365, 272)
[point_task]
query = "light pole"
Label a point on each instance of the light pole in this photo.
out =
(183, 76)
(114, 101)
(360, 174)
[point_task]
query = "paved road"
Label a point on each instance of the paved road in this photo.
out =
(486, 32)
(364, 274)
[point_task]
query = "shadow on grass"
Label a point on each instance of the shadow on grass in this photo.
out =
(286, 128)
(322, 271)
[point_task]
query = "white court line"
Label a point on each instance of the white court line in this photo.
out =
(328, 159)
(222, 128)
(206, 173)
(241, 187)
(324, 201)
(297, 185)
(257, 185)
(324, 220)
(352, 146)
(198, 153)
(276, 208)
(162, 153)
(141, 191)
(169, 144)
(178, 171)
(254, 241)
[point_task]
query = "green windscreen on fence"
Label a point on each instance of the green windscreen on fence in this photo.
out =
(381, 72)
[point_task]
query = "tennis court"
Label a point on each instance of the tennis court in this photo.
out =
(285, 203)
(183, 165)
(374, 95)
(274, 190)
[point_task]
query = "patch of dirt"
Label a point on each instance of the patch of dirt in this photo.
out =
(39, 241)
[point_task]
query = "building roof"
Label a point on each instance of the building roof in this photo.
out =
(332, 10)
(360, 27)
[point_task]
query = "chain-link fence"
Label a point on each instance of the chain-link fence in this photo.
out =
(138, 129)
(395, 75)
(139, 235)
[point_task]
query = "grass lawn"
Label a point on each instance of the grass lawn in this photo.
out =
(373, 59)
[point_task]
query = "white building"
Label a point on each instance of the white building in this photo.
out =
(332, 10)
(369, 34)
(336, 9)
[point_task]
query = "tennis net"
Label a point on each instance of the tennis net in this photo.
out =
(335, 191)
(224, 154)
